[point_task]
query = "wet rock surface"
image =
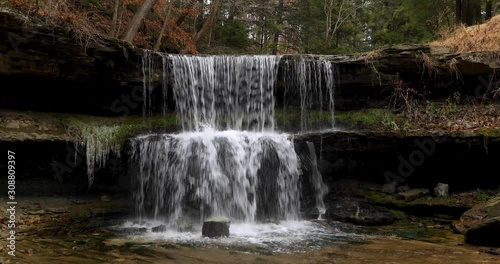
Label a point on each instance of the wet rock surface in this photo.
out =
(481, 224)
(479, 212)
(485, 233)
(412, 195)
(358, 212)
(216, 227)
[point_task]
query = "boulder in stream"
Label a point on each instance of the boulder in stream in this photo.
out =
(481, 224)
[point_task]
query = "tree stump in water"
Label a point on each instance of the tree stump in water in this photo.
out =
(216, 227)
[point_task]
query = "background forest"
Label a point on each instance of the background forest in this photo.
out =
(259, 26)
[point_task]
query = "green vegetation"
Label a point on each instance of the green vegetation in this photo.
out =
(369, 119)
(290, 119)
(219, 219)
(293, 119)
(491, 132)
(102, 136)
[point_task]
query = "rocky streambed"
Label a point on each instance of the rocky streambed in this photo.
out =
(90, 230)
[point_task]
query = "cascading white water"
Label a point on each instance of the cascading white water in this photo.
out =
(231, 92)
(221, 173)
(148, 73)
(317, 183)
(310, 83)
(247, 172)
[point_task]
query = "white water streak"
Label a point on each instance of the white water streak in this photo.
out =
(318, 185)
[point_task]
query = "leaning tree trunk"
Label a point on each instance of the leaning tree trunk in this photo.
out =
(136, 21)
(163, 28)
(212, 18)
(114, 21)
(185, 13)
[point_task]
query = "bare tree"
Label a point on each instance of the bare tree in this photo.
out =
(136, 22)
(468, 12)
(346, 9)
(212, 18)
(114, 21)
(163, 27)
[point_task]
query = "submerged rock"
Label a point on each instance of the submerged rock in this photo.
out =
(158, 229)
(216, 227)
(358, 212)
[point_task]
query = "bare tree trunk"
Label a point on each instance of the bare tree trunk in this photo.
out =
(489, 8)
(199, 18)
(212, 18)
(119, 25)
(328, 9)
(477, 12)
(114, 22)
(465, 9)
(458, 12)
(137, 20)
(163, 27)
(469, 17)
(344, 13)
(261, 37)
(277, 33)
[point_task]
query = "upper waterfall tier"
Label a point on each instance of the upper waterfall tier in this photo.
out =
(239, 92)
(231, 91)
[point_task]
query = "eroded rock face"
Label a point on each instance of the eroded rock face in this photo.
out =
(33, 57)
(16, 126)
(481, 224)
(46, 69)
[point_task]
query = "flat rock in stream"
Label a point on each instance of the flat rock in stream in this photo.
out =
(413, 194)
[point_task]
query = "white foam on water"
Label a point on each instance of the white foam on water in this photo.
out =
(278, 237)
